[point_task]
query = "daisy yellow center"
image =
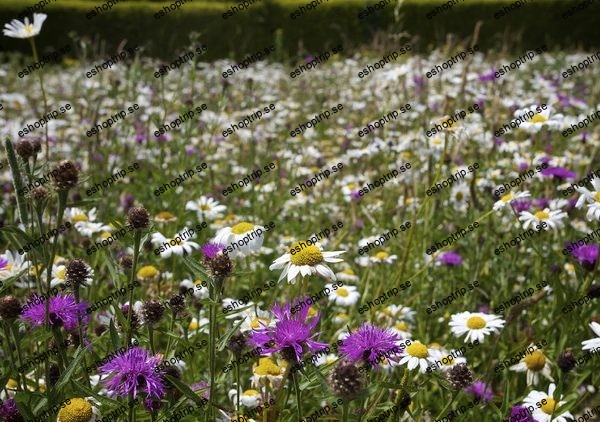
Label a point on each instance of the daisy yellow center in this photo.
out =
(535, 361)
(381, 255)
(342, 315)
(11, 384)
(475, 323)
(165, 215)
(149, 271)
(352, 186)
(61, 273)
(459, 195)
(28, 29)
(507, 197)
(343, 292)
(205, 207)
(256, 322)
(417, 350)
(193, 325)
(7, 267)
(401, 326)
(267, 367)
(311, 312)
(311, 255)
(597, 196)
(437, 141)
(538, 118)
(250, 393)
(79, 217)
(348, 271)
(542, 215)
(242, 228)
(78, 411)
(549, 407)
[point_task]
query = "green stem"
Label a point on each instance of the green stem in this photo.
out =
(136, 253)
(35, 60)
(10, 352)
(214, 293)
(298, 396)
(345, 411)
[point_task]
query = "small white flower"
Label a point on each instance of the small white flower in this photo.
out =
(307, 261)
(241, 239)
(249, 398)
(592, 344)
(178, 244)
(206, 208)
(343, 296)
(509, 198)
(200, 291)
(547, 412)
(18, 29)
(11, 264)
(477, 325)
(416, 354)
(553, 218)
(534, 363)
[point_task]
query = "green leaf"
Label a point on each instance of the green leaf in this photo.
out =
(66, 376)
(114, 336)
(222, 342)
(17, 181)
(194, 267)
(23, 401)
(185, 390)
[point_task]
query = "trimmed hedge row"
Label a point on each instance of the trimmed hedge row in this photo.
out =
(329, 24)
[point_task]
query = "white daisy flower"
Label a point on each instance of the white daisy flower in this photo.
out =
(592, 344)
(347, 275)
(206, 208)
(547, 412)
(267, 371)
(326, 359)
(200, 287)
(446, 359)
(592, 198)
(477, 325)
(382, 257)
(81, 410)
(198, 326)
(18, 29)
(58, 275)
(544, 118)
(416, 354)
(534, 363)
(11, 264)
(553, 218)
(77, 215)
(242, 239)
(509, 198)
(249, 398)
(343, 296)
(179, 244)
(309, 260)
(402, 329)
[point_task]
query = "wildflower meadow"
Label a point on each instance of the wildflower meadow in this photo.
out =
(392, 230)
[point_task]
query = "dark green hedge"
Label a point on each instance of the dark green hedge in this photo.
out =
(331, 23)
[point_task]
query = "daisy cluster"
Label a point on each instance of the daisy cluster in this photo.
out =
(387, 354)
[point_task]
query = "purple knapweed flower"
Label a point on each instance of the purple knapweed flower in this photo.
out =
(370, 343)
(292, 332)
(450, 258)
(560, 173)
(9, 411)
(520, 414)
(133, 372)
(64, 311)
(586, 255)
(210, 250)
(480, 390)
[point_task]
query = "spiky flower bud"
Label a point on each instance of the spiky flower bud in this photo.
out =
(220, 266)
(138, 217)
(236, 343)
(77, 273)
(594, 291)
(24, 149)
(152, 311)
(65, 175)
(39, 194)
(566, 361)
(126, 262)
(10, 308)
(177, 304)
(346, 380)
(460, 376)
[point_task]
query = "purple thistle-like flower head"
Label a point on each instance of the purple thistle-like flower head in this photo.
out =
(292, 331)
(369, 343)
(481, 391)
(559, 173)
(133, 373)
(64, 311)
(586, 255)
(9, 411)
(210, 250)
(450, 258)
(521, 414)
